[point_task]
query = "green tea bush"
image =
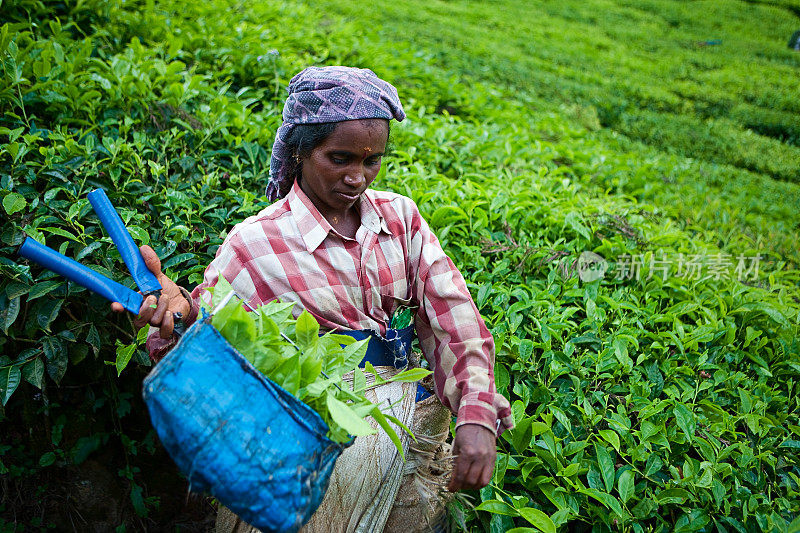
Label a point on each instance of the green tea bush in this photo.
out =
(648, 402)
(573, 57)
(651, 377)
(632, 61)
(717, 140)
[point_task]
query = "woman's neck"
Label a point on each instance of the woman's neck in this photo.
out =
(346, 223)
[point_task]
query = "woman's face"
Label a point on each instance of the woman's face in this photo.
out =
(340, 169)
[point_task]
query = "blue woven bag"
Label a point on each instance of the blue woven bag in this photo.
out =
(237, 435)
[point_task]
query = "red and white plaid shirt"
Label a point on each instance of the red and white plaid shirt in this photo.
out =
(291, 252)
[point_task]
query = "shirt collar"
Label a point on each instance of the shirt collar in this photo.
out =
(314, 227)
(370, 216)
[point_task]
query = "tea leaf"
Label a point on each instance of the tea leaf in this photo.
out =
(220, 291)
(606, 466)
(307, 331)
(538, 519)
(354, 353)
(381, 419)
(346, 418)
(606, 499)
(497, 507)
(625, 486)
(672, 496)
(124, 354)
(685, 420)
(14, 203)
(10, 377)
(411, 375)
(611, 437)
(236, 325)
(9, 314)
(33, 372)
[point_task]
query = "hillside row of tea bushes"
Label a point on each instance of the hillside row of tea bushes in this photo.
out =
(713, 80)
(653, 401)
(639, 69)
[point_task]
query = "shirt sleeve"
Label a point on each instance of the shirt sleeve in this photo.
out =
(453, 336)
(228, 263)
(158, 347)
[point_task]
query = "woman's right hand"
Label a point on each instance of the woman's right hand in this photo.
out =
(158, 313)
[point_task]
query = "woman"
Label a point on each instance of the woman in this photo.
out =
(351, 256)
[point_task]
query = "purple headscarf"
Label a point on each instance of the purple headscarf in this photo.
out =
(328, 94)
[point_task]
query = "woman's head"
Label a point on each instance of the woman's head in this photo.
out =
(319, 99)
(337, 171)
(304, 139)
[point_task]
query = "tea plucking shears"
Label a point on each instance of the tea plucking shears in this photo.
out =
(84, 276)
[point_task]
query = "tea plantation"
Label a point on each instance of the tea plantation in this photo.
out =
(618, 181)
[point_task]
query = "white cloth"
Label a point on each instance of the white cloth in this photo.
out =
(367, 475)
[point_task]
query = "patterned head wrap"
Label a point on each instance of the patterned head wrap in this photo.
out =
(328, 94)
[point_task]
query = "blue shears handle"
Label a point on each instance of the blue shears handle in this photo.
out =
(83, 276)
(102, 285)
(144, 279)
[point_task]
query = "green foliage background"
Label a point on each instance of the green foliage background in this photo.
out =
(536, 131)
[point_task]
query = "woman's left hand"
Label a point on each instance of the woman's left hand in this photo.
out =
(475, 449)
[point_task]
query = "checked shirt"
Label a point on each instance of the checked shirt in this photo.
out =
(289, 251)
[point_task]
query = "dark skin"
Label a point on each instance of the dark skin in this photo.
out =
(171, 300)
(334, 175)
(475, 451)
(340, 169)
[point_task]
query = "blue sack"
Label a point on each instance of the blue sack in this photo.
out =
(237, 435)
